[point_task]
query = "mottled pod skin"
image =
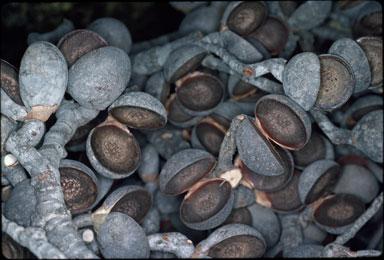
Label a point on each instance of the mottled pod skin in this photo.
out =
(157, 86)
(243, 197)
(204, 19)
(182, 61)
(113, 31)
(122, 237)
(150, 163)
(359, 181)
(317, 179)
(309, 15)
(167, 204)
(227, 110)
(301, 79)
(214, 245)
(266, 222)
(354, 54)
(305, 251)
(21, 204)
(97, 78)
(139, 110)
(43, 76)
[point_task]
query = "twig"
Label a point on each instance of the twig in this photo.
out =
(335, 250)
(10, 109)
(83, 220)
(172, 242)
(145, 45)
(291, 232)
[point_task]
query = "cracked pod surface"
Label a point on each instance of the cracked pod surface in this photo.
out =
(317, 180)
(242, 17)
(233, 241)
(10, 81)
(337, 82)
(79, 185)
(139, 110)
(336, 213)
(199, 93)
(97, 78)
(113, 151)
(75, 44)
(283, 121)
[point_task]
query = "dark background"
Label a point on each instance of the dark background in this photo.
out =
(145, 20)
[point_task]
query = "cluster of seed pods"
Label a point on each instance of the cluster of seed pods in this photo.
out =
(254, 130)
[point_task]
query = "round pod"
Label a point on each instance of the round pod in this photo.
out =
(337, 82)
(270, 183)
(336, 213)
(75, 44)
(182, 61)
(368, 21)
(132, 200)
(207, 205)
(242, 17)
(272, 34)
(233, 241)
(139, 110)
(43, 78)
(113, 31)
(176, 116)
(225, 112)
(283, 121)
(199, 94)
(309, 15)
(356, 58)
(256, 152)
(122, 237)
(183, 169)
(79, 185)
(317, 180)
(317, 148)
(10, 81)
(239, 216)
(97, 78)
(113, 151)
(373, 49)
(301, 79)
(158, 87)
(205, 19)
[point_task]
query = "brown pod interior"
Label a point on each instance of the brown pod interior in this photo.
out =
(210, 135)
(187, 67)
(190, 175)
(221, 120)
(137, 117)
(338, 210)
(371, 24)
(81, 134)
(352, 120)
(323, 185)
(135, 204)
(10, 82)
(314, 150)
(246, 246)
(200, 93)
(115, 149)
(287, 198)
(246, 17)
(336, 82)
(281, 123)
(79, 189)
(205, 201)
(242, 89)
(239, 216)
(175, 113)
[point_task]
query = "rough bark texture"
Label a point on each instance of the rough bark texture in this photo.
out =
(173, 242)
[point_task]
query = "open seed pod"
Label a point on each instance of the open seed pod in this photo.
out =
(205, 19)
(78, 140)
(356, 58)
(232, 241)
(317, 148)
(225, 112)
(158, 87)
(139, 110)
(368, 20)
(10, 81)
(242, 91)
(283, 121)
(373, 49)
(256, 152)
(97, 78)
(13, 250)
(317, 180)
(79, 185)
(265, 182)
(362, 161)
(199, 93)
(75, 44)
(176, 116)
(272, 34)
(112, 150)
(113, 31)
(337, 213)
(337, 82)
(360, 108)
(43, 79)
(242, 17)
(120, 236)
(301, 79)
(182, 61)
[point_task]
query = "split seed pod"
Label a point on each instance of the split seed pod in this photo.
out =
(317, 180)
(13, 250)
(10, 81)
(283, 121)
(139, 110)
(368, 20)
(337, 213)
(208, 202)
(176, 116)
(157, 86)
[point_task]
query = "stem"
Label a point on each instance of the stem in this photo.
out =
(83, 220)
(10, 109)
(291, 232)
(145, 45)
(172, 242)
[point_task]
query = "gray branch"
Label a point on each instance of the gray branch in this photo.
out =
(339, 251)
(82, 220)
(291, 232)
(172, 242)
